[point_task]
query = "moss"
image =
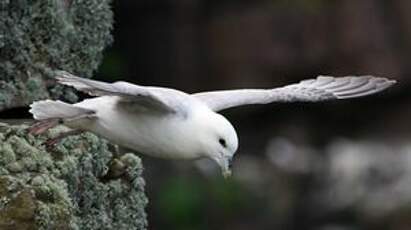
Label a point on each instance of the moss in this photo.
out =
(68, 187)
(7, 154)
(17, 205)
(37, 37)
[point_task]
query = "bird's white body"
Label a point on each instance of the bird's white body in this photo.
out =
(168, 123)
(152, 133)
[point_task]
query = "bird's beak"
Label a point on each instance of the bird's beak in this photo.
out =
(227, 173)
(225, 164)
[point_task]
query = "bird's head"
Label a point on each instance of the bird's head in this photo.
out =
(220, 142)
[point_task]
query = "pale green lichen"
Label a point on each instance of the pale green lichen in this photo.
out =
(37, 37)
(69, 187)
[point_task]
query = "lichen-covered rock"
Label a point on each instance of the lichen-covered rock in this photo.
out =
(78, 184)
(37, 37)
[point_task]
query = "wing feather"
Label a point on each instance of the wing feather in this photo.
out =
(320, 89)
(131, 93)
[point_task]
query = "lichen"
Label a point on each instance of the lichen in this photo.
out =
(37, 37)
(70, 186)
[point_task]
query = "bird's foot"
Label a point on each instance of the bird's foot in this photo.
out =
(42, 126)
(50, 143)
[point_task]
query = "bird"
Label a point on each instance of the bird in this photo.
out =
(171, 124)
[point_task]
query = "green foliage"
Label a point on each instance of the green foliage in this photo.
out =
(39, 36)
(69, 187)
(181, 202)
(184, 201)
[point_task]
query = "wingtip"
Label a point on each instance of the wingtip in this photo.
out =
(385, 82)
(374, 85)
(392, 82)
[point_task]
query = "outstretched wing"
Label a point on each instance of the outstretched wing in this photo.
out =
(320, 89)
(140, 95)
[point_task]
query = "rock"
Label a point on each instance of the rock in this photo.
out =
(38, 37)
(67, 187)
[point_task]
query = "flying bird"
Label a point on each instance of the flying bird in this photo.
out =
(168, 123)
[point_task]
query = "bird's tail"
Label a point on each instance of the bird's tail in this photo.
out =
(48, 109)
(49, 113)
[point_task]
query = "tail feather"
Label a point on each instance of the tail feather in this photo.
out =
(49, 109)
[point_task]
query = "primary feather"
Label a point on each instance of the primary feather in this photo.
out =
(320, 89)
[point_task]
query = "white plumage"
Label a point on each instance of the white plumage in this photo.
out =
(320, 89)
(168, 123)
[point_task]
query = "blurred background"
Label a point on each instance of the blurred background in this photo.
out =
(342, 165)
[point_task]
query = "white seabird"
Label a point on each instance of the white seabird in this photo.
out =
(168, 123)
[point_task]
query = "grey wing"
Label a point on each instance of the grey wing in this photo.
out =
(139, 95)
(320, 89)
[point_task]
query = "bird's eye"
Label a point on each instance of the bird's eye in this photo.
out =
(222, 142)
